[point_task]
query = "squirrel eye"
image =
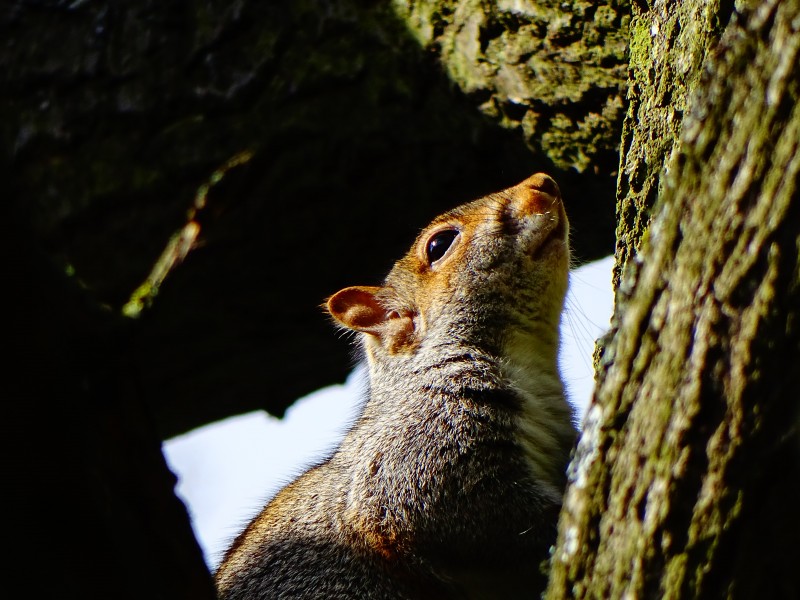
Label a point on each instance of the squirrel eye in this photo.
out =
(439, 244)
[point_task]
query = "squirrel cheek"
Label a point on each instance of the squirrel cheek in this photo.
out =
(398, 334)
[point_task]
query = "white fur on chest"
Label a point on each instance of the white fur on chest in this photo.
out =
(544, 424)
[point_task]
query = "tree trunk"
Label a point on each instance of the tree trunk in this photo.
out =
(686, 480)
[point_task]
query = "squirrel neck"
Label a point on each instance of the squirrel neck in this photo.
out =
(430, 426)
(518, 395)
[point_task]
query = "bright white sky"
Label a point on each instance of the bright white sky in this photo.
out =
(229, 469)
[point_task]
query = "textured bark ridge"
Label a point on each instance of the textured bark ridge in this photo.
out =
(686, 481)
(669, 42)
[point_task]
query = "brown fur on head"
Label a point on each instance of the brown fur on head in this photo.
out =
(523, 228)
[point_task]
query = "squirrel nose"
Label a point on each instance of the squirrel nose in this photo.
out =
(538, 194)
(542, 182)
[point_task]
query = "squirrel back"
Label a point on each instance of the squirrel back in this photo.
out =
(449, 483)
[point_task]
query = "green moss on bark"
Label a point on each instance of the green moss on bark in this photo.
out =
(553, 70)
(687, 476)
(669, 42)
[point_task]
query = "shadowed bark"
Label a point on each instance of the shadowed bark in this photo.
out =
(91, 511)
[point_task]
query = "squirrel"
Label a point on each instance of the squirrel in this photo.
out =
(449, 483)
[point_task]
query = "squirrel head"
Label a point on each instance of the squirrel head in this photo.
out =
(477, 275)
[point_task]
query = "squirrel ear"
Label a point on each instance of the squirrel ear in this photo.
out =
(357, 308)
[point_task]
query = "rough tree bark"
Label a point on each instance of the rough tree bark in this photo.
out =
(686, 480)
(669, 44)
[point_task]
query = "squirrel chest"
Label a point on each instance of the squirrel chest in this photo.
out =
(449, 483)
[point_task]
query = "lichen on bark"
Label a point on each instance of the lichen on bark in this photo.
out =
(553, 70)
(686, 480)
(669, 42)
